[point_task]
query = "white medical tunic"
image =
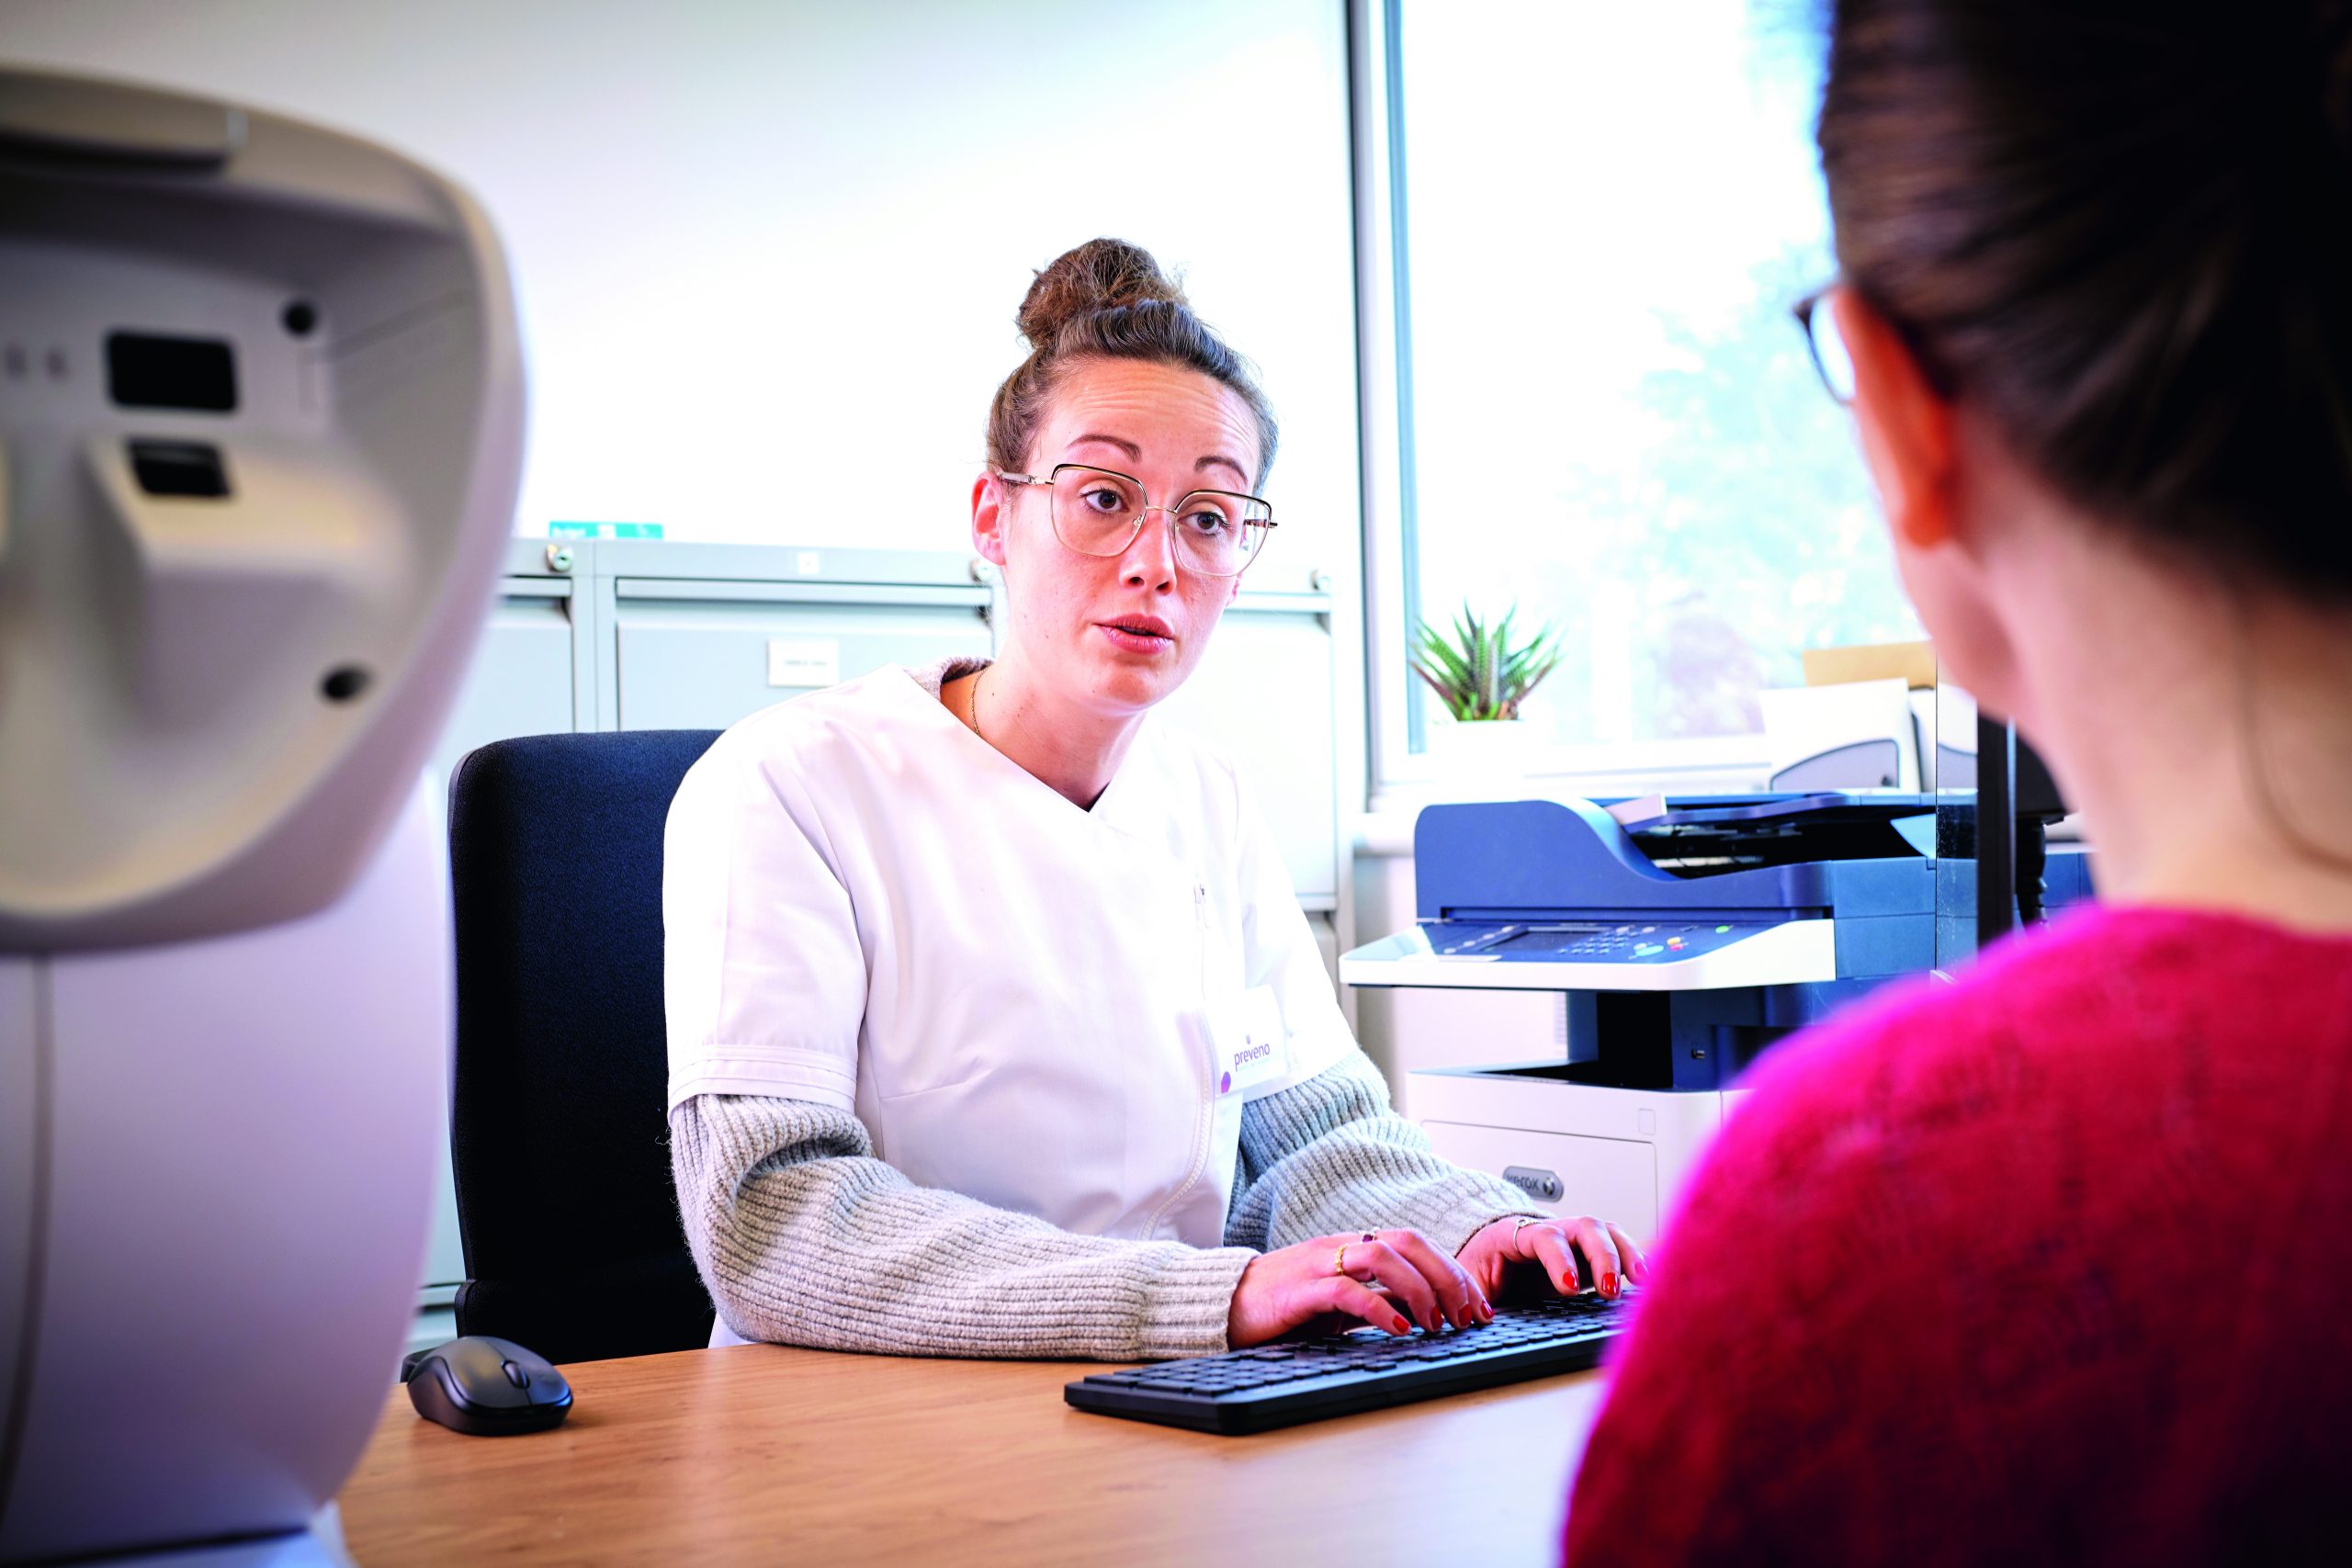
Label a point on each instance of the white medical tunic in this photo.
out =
(1053, 1010)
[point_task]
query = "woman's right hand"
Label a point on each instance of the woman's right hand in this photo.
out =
(1392, 1279)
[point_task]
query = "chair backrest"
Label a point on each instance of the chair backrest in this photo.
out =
(557, 1135)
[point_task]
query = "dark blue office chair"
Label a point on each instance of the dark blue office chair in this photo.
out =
(559, 1136)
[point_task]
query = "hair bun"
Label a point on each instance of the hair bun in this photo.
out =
(1101, 275)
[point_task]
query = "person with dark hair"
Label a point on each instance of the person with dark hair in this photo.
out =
(995, 1027)
(2049, 1264)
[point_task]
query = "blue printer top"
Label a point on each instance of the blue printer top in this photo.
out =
(1708, 893)
(1688, 940)
(1784, 856)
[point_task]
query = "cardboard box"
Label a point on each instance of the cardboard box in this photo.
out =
(1912, 663)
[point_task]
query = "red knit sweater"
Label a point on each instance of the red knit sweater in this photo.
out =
(2052, 1264)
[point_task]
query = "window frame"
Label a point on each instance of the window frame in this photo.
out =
(1400, 778)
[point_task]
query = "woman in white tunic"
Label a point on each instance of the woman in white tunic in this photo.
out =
(995, 1027)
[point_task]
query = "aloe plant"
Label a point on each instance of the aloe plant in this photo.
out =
(1478, 672)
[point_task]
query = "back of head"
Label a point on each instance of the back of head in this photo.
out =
(1109, 300)
(2122, 231)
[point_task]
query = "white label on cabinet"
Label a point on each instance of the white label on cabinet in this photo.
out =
(792, 663)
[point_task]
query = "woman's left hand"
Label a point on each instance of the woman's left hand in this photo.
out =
(1610, 1254)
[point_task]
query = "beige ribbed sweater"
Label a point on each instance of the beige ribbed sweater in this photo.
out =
(803, 1238)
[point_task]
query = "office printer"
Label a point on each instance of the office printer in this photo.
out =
(1684, 945)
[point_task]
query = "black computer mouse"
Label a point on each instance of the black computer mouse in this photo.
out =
(486, 1387)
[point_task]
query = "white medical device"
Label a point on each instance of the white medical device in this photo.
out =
(260, 428)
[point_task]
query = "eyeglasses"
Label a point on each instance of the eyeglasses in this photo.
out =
(1831, 360)
(1098, 511)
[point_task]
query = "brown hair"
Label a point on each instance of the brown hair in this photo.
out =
(2122, 230)
(1108, 300)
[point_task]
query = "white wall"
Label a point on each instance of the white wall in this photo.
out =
(769, 250)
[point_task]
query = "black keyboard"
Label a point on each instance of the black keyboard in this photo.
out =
(1283, 1384)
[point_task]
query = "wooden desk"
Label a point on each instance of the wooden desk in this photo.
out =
(757, 1453)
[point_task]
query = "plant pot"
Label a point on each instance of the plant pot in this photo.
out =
(1491, 747)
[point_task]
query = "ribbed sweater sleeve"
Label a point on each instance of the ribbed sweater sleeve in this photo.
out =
(803, 1238)
(1330, 1155)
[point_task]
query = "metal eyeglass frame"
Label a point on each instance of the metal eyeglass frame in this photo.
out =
(1046, 481)
(1932, 367)
(1804, 310)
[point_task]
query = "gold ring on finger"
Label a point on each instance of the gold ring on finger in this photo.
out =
(1339, 1264)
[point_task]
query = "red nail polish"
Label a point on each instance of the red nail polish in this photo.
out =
(1401, 1326)
(1609, 1284)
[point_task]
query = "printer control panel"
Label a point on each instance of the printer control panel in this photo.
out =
(1638, 942)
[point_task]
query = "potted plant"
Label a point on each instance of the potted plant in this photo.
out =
(1482, 674)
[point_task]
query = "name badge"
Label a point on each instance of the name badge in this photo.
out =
(1253, 1047)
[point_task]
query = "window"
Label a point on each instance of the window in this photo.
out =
(1596, 219)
